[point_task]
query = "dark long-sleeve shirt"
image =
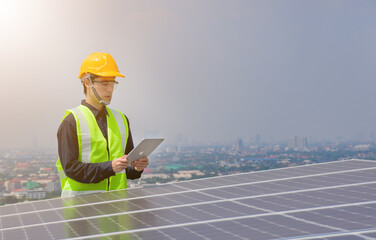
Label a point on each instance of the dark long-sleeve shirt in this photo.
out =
(68, 151)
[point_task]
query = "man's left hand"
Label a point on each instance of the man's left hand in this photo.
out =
(140, 164)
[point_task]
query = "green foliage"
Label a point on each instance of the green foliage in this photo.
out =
(11, 199)
(54, 194)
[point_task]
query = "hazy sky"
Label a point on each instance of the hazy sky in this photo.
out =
(212, 71)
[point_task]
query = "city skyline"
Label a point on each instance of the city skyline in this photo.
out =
(211, 72)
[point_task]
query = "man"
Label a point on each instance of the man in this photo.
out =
(93, 140)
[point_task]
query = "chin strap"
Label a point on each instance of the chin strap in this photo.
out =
(103, 102)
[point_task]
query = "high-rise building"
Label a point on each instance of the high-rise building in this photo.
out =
(258, 139)
(239, 145)
(297, 143)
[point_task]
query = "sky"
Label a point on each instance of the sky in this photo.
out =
(208, 71)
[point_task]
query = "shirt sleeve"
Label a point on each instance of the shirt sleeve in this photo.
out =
(133, 173)
(68, 154)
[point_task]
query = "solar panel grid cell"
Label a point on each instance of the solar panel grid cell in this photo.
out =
(61, 231)
(83, 228)
(31, 219)
(219, 193)
(182, 233)
(72, 201)
(50, 216)
(348, 237)
(8, 209)
(24, 207)
(153, 235)
(243, 230)
(14, 234)
(272, 227)
(41, 205)
(332, 221)
(371, 235)
(369, 175)
(56, 203)
(211, 232)
(189, 185)
(191, 197)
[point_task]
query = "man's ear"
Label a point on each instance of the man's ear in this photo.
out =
(86, 83)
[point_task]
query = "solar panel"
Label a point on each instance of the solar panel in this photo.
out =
(334, 200)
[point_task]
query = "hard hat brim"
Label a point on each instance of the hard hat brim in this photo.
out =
(104, 74)
(110, 74)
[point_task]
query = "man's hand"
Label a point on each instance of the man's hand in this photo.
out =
(140, 164)
(119, 164)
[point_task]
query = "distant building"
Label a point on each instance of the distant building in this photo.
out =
(19, 193)
(187, 174)
(31, 185)
(2, 187)
(12, 185)
(159, 175)
(258, 139)
(29, 194)
(239, 145)
(276, 148)
(22, 166)
(53, 186)
(172, 149)
(36, 194)
(297, 144)
(362, 147)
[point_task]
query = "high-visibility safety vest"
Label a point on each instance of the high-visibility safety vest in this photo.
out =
(92, 147)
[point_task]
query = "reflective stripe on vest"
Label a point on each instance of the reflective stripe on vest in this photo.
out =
(85, 136)
(123, 130)
(93, 149)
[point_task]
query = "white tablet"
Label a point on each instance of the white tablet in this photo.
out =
(144, 149)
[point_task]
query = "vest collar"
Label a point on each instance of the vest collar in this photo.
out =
(95, 111)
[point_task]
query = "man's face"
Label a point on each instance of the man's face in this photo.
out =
(104, 86)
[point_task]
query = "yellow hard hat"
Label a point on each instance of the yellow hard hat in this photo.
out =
(101, 64)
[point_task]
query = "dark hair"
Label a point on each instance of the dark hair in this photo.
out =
(93, 77)
(83, 84)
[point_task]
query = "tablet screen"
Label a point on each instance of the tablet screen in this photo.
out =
(144, 149)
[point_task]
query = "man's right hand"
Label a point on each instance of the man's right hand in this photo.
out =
(119, 164)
